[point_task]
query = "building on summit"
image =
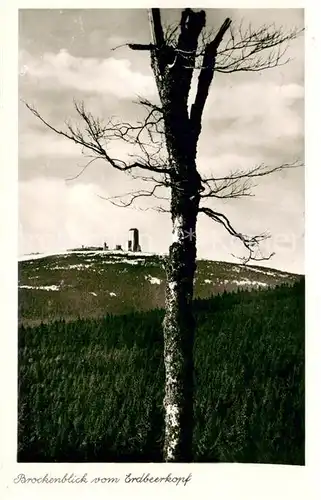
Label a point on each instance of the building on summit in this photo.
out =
(132, 243)
(133, 240)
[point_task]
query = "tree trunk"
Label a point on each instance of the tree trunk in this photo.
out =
(173, 70)
(179, 325)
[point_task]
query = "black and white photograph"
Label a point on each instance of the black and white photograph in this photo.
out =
(161, 209)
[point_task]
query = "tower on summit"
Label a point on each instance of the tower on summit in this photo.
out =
(133, 240)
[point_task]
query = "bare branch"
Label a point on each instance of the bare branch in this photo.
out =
(248, 49)
(226, 188)
(240, 183)
(191, 26)
(255, 50)
(95, 136)
(205, 78)
(82, 170)
(156, 27)
(142, 101)
(251, 243)
(171, 34)
(134, 195)
(120, 46)
(260, 170)
(141, 46)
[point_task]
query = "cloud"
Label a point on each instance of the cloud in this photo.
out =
(262, 120)
(33, 145)
(62, 70)
(251, 100)
(258, 118)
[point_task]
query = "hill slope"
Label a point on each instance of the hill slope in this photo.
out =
(92, 283)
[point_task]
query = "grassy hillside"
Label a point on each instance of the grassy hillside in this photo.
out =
(91, 284)
(92, 390)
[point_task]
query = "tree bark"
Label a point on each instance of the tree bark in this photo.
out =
(178, 328)
(173, 70)
(179, 324)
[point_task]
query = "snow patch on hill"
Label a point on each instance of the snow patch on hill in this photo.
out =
(66, 253)
(246, 282)
(153, 280)
(268, 273)
(52, 288)
(73, 266)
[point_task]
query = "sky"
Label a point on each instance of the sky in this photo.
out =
(249, 118)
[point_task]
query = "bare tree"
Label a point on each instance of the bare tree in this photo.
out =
(164, 150)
